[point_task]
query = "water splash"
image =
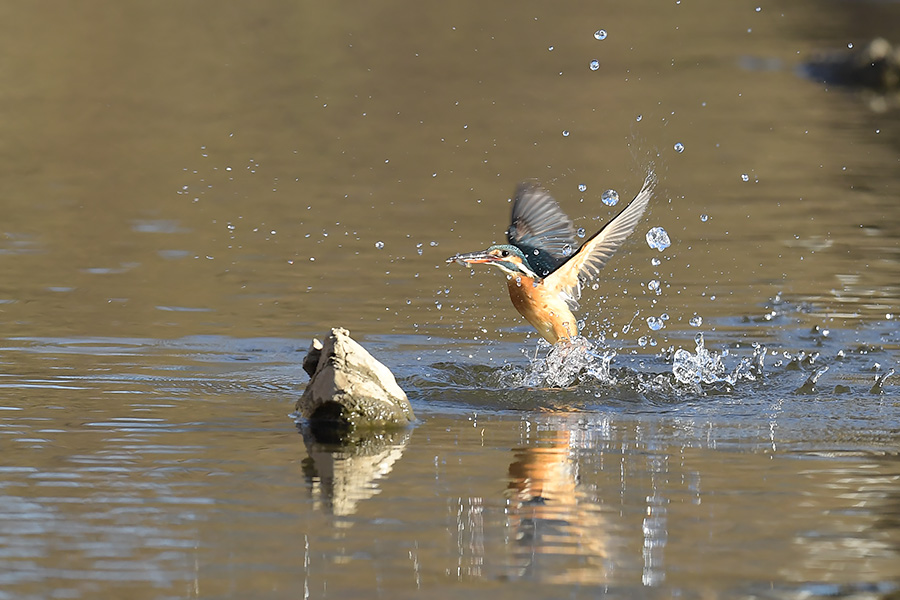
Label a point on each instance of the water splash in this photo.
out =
(878, 388)
(566, 363)
(705, 367)
(702, 367)
(658, 238)
(809, 386)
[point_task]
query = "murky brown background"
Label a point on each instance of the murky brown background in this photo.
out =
(191, 190)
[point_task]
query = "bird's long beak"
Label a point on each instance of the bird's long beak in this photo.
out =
(473, 258)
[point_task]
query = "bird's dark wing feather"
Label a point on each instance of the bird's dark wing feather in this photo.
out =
(540, 229)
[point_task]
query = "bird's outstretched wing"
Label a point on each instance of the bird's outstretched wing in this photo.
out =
(540, 229)
(585, 265)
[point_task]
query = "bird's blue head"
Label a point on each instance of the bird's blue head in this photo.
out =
(506, 256)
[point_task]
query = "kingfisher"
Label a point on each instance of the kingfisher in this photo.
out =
(545, 273)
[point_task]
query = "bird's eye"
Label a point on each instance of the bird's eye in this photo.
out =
(504, 253)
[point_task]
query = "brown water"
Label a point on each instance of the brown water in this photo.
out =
(191, 191)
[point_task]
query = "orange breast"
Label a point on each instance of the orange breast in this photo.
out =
(543, 308)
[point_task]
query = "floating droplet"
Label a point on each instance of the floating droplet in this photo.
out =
(582, 187)
(658, 238)
(567, 250)
(580, 233)
(610, 197)
(745, 177)
(639, 117)
(600, 34)
(704, 217)
(679, 147)
(595, 64)
(696, 321)
(642, 341)
(653, 285)
(565, 133)
(654, 323)
(379, 244)
(655, 262)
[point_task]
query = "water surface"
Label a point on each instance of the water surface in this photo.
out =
(191, 192)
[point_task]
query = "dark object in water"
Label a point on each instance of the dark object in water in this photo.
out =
(874, 66)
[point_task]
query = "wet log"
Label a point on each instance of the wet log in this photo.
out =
(349, 389)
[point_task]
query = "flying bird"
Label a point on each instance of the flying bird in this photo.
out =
(545, 273)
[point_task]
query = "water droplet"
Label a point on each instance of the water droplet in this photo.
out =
(595, 64)
(438, 305)
(745, 177)
(655, 262)
(379, 244)
(653, 285)
(600, 34)
(679, 147)
(582, 187)
(565, 133)
(595, 286)
(664, 316)
(567, 250)
(642, 341)
(550, 48)
(704, 217)
(696, 321)
(610, 197)
(639, 117)
(580, 233)
(654, 323)
(658, 238)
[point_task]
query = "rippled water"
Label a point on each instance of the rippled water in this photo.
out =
(170, 468)
(191, 192)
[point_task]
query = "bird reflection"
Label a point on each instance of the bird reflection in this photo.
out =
(556, 536)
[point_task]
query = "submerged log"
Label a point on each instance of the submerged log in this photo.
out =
(875, 65)
(349, 389)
